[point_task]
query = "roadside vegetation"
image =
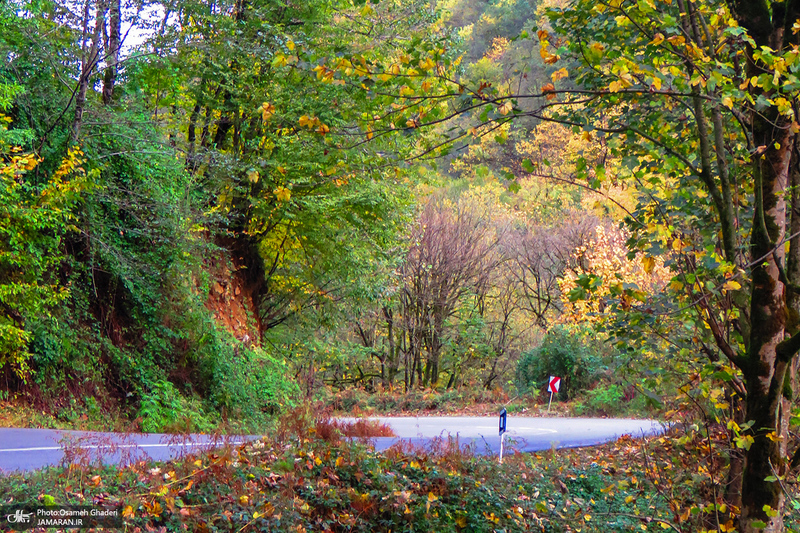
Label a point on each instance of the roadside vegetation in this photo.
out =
(307, 477)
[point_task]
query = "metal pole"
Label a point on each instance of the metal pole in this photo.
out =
(502, 440)
(551, 401)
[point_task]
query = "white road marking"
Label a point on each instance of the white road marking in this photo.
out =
(113, 446)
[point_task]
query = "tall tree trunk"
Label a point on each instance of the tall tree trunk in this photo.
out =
(764, 370)
(112, 51)
(88, 64)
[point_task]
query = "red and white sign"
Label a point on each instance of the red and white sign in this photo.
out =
(553, 384)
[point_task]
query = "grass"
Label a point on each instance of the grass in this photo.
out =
(306, 477)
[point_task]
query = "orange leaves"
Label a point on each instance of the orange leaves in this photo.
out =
(544, 43)
(548, 89)
(312, 123)
(559, 74)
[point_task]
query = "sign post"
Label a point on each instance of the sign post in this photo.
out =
(503, 420)
(553, 384)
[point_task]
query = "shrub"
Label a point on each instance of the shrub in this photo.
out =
(566, 353)
(251, 385)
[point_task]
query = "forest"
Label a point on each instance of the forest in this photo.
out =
(216, 212)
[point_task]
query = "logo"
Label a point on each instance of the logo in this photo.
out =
(19, 517)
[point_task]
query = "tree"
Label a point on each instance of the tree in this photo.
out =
(33, 221)
(698, 99)
(451, 255)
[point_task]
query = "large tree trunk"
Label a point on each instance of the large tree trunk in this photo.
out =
(768, 366)
(764, 370)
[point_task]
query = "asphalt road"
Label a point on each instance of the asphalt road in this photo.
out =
(29, 449)
(525, 434)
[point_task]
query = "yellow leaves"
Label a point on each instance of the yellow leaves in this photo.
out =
(290, 45)
(774, 437)
(547, 57)
(491, 517)
(731, 285)
(252, 176)
(727, 102)
(370, 133)
(279, 60)
(559, 74)
(676, 40)
(745, 441)
(428, 64)
(282, 193)
(615, 86)
(153, 509)
(267, 110)
(676, 285)
(506, 108)
(405, 90)
(338, 462)
(461, 522)
(657, 39)
(244, 499)
(96, 480)
(128, 512)
(648, 263)
(313, 123)
(656, 83)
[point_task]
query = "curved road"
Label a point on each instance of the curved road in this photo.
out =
(525, 434)
(29, 449)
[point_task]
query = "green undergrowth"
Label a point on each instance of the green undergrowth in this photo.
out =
(603, 400)
(305, 477)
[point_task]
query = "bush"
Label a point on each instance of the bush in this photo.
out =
(251, 385)
(568, 354)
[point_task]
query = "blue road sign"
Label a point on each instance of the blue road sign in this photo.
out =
(503, 417)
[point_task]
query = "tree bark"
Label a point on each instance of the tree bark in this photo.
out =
(112, 51)
(764, 371)
(88, 64)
